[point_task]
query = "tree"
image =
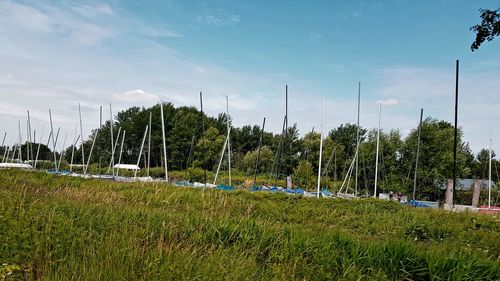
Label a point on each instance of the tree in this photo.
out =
(208, 151)
(435, 159)
(288, 153)
(481, 164)
(488, 29)
(311, 143)
(303, 174)
(265, 163)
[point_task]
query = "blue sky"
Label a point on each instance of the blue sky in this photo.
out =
(54, 54)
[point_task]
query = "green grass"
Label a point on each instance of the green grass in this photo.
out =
(62, 228)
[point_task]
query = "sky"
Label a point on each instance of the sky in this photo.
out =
(56, 54)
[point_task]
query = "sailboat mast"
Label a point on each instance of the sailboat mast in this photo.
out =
(357, 142)
(20, 156)
(140, 151)
(53, 140)
(258, 152)
(120, 156)
(376, 157)
(4, 149)
(73, 152)
(321, 148)
(100, 151)
(418, 154)
(228, 139)
(285, 143)
(90, 153)
(113, 145)
(221, 158)
(489, 168)
(29, 148)
(164, 143)
(38, 149)
(203, 140)
(149, 143)
(73, 149)
(62, 151)
(112, 160)
(81, 135)
(455, 136)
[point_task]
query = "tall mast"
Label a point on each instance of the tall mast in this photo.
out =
(418, 154)
(357, 141)
(53, 140)
(73, 149)
(62, 151)
(228, 139)
(112, 140)
(100, 151)
(489, 168)
(321, 147)
(112, 160)
(221, 158)
(140, 151)
(20, 156)
(376, 157)
(3, 143)
(81, 135)
(73, 152)
(38, 149)
(27, 142)
(29, 139)
(258, 153)
(203, 140)
(120, 157)
(455, 137)
(149, 143)
(90, 153)
(279, 154)
(285, 143)
(164, 143)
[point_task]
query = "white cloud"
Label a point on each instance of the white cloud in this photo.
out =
(99, 9)
(434, 91)
(199, 69)
(47, 20)
(387, 102)
(133, 96)
(151, 31)
(24, 17)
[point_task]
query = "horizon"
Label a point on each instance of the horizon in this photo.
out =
(56, 54)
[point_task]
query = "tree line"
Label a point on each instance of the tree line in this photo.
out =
(288, 154)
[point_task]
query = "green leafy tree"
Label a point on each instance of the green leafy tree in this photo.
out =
(303, 174)
(488, 29)
(265, 163)
(208, 150)
(436, 158)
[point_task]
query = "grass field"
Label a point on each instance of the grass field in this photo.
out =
(61, 228)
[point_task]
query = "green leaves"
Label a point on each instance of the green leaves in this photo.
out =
(488, 29)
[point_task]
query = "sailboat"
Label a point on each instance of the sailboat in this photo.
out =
(227, 143)
(344, 189)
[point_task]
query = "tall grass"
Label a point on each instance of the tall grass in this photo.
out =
(61, 228)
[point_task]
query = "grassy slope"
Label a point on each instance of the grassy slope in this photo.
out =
(68, 228)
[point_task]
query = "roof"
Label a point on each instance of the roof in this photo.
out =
(15, 165)
(127, 166)
(467, 184)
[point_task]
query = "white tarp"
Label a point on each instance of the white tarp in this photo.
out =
(127, 167)
(15, 165)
